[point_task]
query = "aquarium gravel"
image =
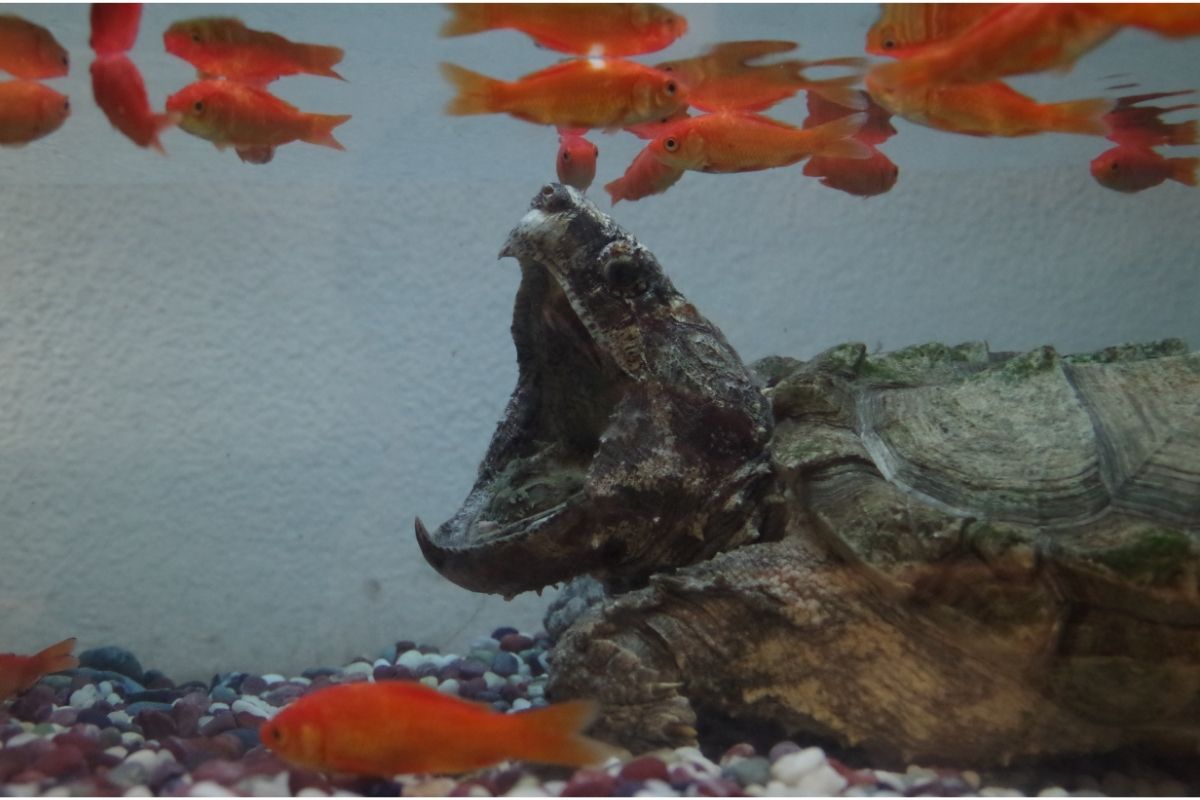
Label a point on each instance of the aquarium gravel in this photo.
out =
(112, 728)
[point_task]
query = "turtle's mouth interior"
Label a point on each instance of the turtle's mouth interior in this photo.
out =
(571, 389)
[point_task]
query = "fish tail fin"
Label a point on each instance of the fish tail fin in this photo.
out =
(1184, 133)
(1184, 170)
(476, 92)
(1080, 116)
(835, 138)
(320, 59)
(161, 123)
(465, 19)
(57, 657)
(321, 130)
(841, 91)
(554, 735)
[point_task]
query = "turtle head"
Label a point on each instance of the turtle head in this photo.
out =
(635, 440)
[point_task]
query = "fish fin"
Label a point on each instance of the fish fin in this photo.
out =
(321, 131)
(320, 59)
(57, 657)
(1184, 170)
(834, 138)
(476, 92)
(553, 735)
(1185, 133)
(840, 93)
(854, 62)
(465, 19)
(1081, 116)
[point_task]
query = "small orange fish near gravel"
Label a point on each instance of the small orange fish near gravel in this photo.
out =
(114, 27)
(582, 29)
(232, 114)
(576, 159)
(604, 93)
(394, 727)
(30, 110)
(18, 673)
(224, 46)
(120, 92)
(1133, 168)
(29, 51)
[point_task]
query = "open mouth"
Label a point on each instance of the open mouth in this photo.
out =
(615, 441)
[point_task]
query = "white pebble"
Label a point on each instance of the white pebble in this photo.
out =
(208, 789)
(273, 678)
(536, 690)
(104, 687)
(149, 758)
(411, 659)
(138, 791)
(449, 686)
(120, 717)
(23, 789)
(204, 720)
(1054, 791)
(493, 680)
(520, 704)
(254, 705)
(85, 696)
(57, 791)
(999, 791)
(113, 699)
(261, 786)
(381, 662)
(774, 789)
(213, 708)
(300, 679)
(972, 778)
(821, 782)
(891, 780)
(22, 738)
(117, 750)
(430, 681)
(697, 760)
(131, 738)
(656, 788)
(311, 791)
(485, 643)
(793, 766)
(358, 668)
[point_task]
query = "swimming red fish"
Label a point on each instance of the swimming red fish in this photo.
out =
(987, 109)
(30, 110)
(224, 46)
(724, 78)
(18, 673)
(1131, 123)
(740, 141)
(645, 176)
(904, 29)
(582, 29)
(393, 727)
(1133, 168)
(114, 27)
(1174, 20)
(576, 159)
(864, 177)
(232, 114)
(120, 92)
(580, 93)
(29, 51)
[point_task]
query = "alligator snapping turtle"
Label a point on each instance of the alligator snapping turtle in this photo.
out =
(937, 553)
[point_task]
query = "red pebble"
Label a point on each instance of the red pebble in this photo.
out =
(643, 769)
(739, 750)
(590, 783)
(218, 770)
(855, 777)
(187, 718)
(65, 761)
(515, 642)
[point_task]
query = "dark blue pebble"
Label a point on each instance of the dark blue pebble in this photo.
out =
(471, 687)
(247, 736)
(231, 679)
(383, 673)
(116, 659)
(312, 673)
(405, 645)
(253, 684)
(469, 668)
(451, 670)
(500, 633)
(427, 649)
(133, 709)
(192, 686)
(535, 667)
(223, 694)
(402, 673)
(35, 705)
(155, 679)
(425, 670)
(511, 691)
(505, 664)
(88, 675)
(488, 696)
(94, 716)
(154, 696)
(626, 788)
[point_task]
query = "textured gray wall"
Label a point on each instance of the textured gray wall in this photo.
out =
(228, 389)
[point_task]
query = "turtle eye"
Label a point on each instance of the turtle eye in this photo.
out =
(670, 144)
(625, 276)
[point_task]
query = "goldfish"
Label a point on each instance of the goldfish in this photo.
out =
(29, 51)
(114, 27)
(582, 29)
(904, 29)
(120, 92)
(1174, 20)
(580, 93)
(645, 176)
(224, 46)
(723, 78)
(988, 109)
(30, 110)
(1130, 123)
(864, 177)
(392, 727)
(576, 159)
(741, 141)
(18, 673)
(234, 114)
(1013, 39)
(1132, 168)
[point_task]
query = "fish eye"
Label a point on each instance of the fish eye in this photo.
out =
(276, 735)
(198, 106)
(670, 87)
(566, 156)
(888, 44)
(67, 105)
(196, 37)
(671, 144)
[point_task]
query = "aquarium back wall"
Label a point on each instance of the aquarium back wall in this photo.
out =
(230, 388)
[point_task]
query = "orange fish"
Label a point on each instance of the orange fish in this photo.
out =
(1013, 39)
(576, 160)
(876, 130)
(393, 727)
(30, 110)
(18, 673)
(120, 92)
(723, 78)
(582, 29)
(741, 141)
(225, 46)
(904, 29)
(1132, 168)
(30, 51)
(864, 177)
(1174, 20)
(988, 109)
(231, 114)
(1130, 123)
(644, 177)
(580, 93)
(114, 27)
